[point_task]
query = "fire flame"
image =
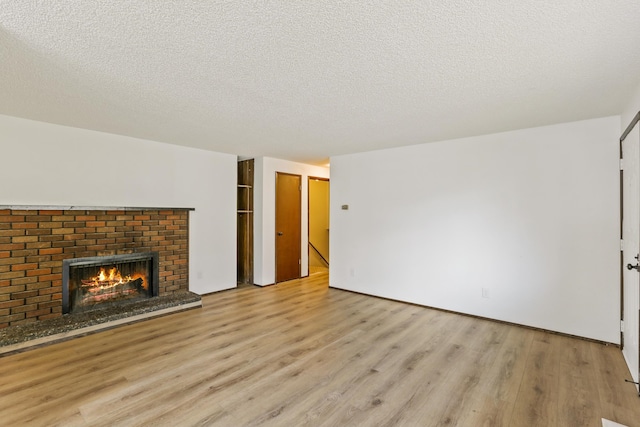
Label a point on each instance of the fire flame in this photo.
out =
(113, 278)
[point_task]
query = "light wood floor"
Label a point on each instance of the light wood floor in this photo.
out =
(301, 354)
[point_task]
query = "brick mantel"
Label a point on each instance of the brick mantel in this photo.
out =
(34, 241)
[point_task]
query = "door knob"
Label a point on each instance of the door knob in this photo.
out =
(631, 267)
(280, 233)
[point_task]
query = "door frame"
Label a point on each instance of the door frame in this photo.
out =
(309, 178)
(630, 127)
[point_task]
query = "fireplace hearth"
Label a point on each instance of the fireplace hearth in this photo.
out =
(97, 282)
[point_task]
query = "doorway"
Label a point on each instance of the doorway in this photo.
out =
(288, 226)
(318, 225)
(630, 180)
(245, 222)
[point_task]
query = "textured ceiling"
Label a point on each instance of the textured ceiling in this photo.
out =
(304, 80)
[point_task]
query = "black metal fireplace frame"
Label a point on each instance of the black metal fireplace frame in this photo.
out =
(104, 260)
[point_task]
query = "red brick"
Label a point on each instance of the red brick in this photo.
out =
(49, 304)
(12, 318)
(50, 251)
(56, 231)
(11, 218)
(39, 272)
(85, 242)
(39, 285)
(85, 217)
(50, 212)
(51, 238)
(11, 304)
(50, 290)
(25, 253)
(22, 267)
(11, 246)
(11, 233)
(11, 275)
(24, 308)
(24, 225)
(74, 236)
(42, 232)
(38, 299)
(51, 277)
(73, 224)
(85, 230)
(24, 239)
(95, 224)
(38, 258)
(38, 245)
(12, 260)
(63, 244)
(20, 281)
(52, 224)
(23, 294)
(105, 229)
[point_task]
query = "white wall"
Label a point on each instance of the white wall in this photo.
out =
(264, 208)
(532, 216)
(46, 164)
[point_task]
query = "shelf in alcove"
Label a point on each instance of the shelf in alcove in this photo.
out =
(245, 211)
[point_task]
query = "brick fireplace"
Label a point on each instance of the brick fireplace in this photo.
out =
(35, 242)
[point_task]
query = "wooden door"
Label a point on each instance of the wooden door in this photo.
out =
(288, 226)
(630, 250)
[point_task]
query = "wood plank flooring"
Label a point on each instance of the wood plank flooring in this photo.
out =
(301, 354)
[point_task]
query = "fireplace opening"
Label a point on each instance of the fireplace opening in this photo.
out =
(95, 282)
